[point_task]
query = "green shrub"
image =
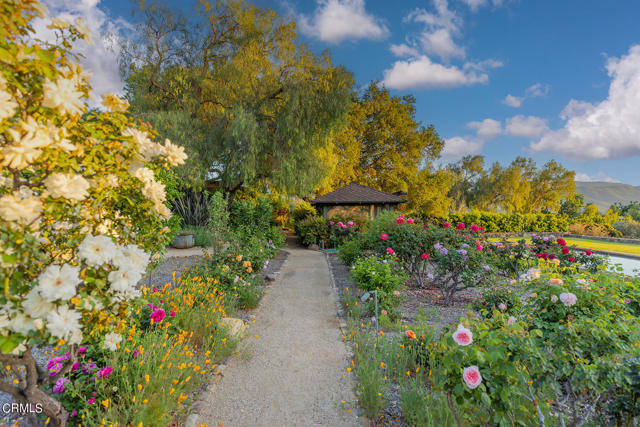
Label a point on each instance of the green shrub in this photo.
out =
(495, 222)
(302, 210)
(628, 229)
(351, 250)
(372, 273)
(202, 236)
(312, 229)
(500, 298)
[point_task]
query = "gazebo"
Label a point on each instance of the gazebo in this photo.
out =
(357, 199)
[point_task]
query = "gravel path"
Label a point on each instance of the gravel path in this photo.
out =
(292, 368)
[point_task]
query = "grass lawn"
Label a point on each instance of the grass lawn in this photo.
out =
(627, 248)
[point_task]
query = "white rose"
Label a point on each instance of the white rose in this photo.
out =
(63, 96)
(58, 282)
(14, 208)
(64, 322)
(69, 186)
(97, 250)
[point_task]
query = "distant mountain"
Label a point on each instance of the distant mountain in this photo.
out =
(604, 194)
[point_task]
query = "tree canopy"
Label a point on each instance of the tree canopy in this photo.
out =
(233, 85)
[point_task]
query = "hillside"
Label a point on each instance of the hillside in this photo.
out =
(604, 194)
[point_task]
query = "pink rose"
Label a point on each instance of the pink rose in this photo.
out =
(446, 225)
(502, 306)
(410, 220)
(400, 220)
(350, 224)
(390, 251)
(462, 336)
(424, 256)
(479, 246)
(472, 377)
(157, 315)
(568, 298)
(331, 223)
(460, 226)
(340, 224)
(384, 236)
(172, 314)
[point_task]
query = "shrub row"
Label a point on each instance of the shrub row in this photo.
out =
(494, 222)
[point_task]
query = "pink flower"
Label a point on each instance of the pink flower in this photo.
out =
(462, 336)
(384, 236)
(384, 312)
(331, 223)
(479, 245)
(373, 319)
(75, 366)
(157, 315)
(400, 220)
(460, 226)
(410, 221)
(424, 256)
(511, 320)
(472, 377)
(105, 372)
(350, 224)
(155, 289)
(396, 293)
(340, 224)
(390, 251)
(82, 351)
(561, 241)
(446, 225)
(568, 298)
(90, 401)
(172, 314)
(474, 227)
(588, 252)
(502, 306)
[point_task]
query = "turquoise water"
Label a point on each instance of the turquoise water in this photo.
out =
(630, 266)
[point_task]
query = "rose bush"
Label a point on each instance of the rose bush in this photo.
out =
(81, 204)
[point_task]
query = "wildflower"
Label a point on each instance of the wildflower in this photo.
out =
(570, 259)
(462, 251)
(172, 314)
(568, 298)
(384, 312)
(410, 334)
(91, 401)
(554, 298)
(472, 377)
(75, 366)
(396, 293)
(82, 351)
(58, 282)
(64, 323)
(157, 315)
(444, 251)
(63, 96)
(111, 341)
(463, 336)
(97, 250)
(384, 236)
(331, 223)
(588, 252)
(479, 246)
(15, 208)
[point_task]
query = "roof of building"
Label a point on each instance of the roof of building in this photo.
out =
(357, 194)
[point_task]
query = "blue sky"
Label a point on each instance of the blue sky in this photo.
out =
(541, 78)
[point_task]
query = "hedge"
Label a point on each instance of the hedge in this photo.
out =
(494, 222)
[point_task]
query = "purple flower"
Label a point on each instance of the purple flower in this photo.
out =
(444, 251)
(487, 268)
(430, 276)
(58, 388)
(75, 366)
(437, 246)
(545, 239)
(462, 251)
(627, 301)
(89, 368)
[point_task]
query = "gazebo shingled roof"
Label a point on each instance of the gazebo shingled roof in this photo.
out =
(357, 194)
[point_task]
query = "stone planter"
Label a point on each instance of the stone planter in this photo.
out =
(183, 240)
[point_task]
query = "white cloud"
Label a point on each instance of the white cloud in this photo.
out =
(441, 27)
(334, 21)
(457, 147)
(100, 57)
(422, 73)
(599, 177)
(525, 126)
(534, 91)
(608, 129)
(513, 101)
(475, 5)
(402, 50)
(486, 129)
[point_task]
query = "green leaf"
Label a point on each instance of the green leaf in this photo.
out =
(45, 55)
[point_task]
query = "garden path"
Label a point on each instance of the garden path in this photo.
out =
(292, 369)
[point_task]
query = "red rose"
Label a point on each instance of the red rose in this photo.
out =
(588, 252)
(552, 256)
(561, 241)
(460, 226)
(446, 225)
(565, 251)
(474, 227)
(572, 259)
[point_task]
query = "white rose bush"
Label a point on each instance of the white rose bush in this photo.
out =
(81, 204)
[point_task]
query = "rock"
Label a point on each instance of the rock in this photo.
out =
(270, 277)
(314, 247)
(236, 327)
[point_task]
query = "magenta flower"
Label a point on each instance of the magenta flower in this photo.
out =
(460, 226)
(472, 377)
(157, 315)
(58, 388)
(172, 314)
(462, 336)
(75, 366)
(331, 223)
(105, 372)
(400, 220)
(155, 289)
(446, 225)
(474, 227)
(82, 351)
(390, 251)
(90, 401)
(384, 236)
(424, 256)
(410, 221)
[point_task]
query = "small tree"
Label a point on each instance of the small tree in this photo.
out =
(81, 206)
